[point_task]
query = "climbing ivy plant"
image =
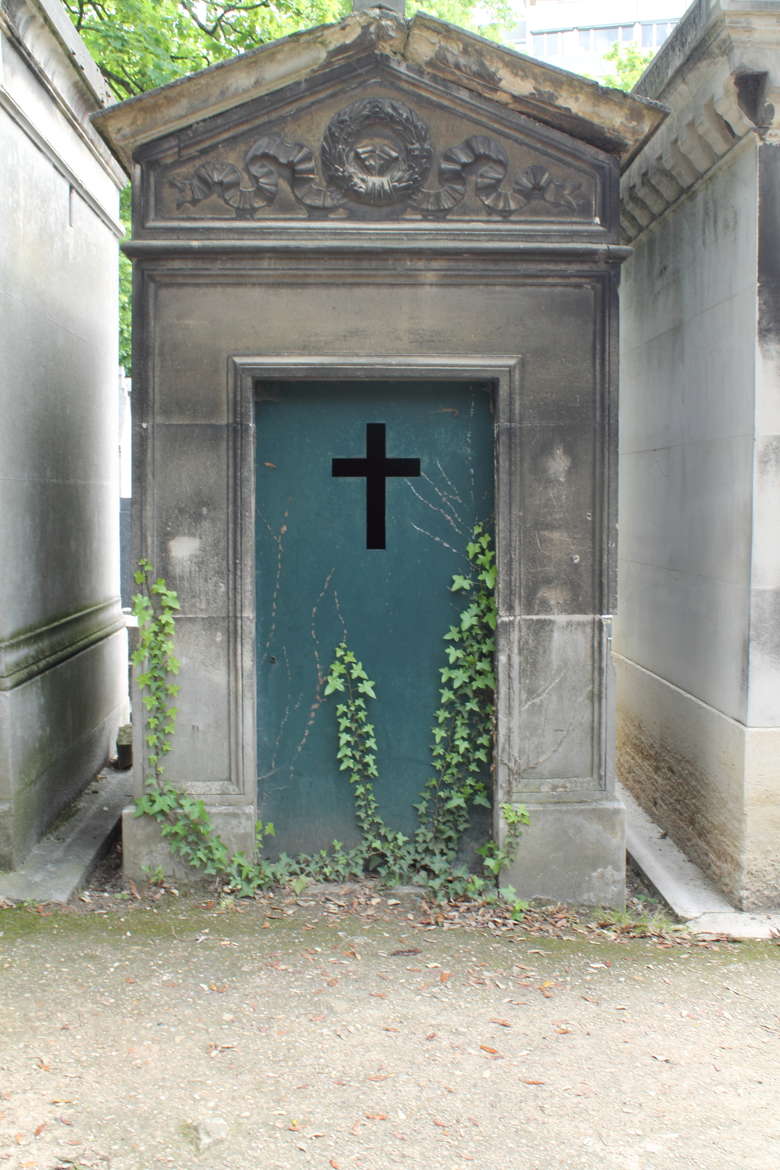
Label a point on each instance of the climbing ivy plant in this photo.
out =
(462, 757)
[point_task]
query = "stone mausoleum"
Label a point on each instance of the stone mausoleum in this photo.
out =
(376, 269)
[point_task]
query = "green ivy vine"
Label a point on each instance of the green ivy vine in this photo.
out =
(462, 757)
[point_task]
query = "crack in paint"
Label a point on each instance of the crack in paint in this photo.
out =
(438, 539)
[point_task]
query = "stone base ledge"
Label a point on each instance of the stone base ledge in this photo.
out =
(145, 850)
(573, 853)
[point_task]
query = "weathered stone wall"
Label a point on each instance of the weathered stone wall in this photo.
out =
(61, 651)
(697, 658)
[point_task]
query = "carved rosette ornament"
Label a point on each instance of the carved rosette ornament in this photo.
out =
(376, 154)
(376, 151)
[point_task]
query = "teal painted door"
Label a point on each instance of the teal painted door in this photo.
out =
(366, 496)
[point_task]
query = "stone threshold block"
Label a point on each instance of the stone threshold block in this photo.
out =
(145, 850)
(572, 852)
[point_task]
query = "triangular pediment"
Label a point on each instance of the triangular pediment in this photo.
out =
(378, 118)
(373, 143)
(615, 122)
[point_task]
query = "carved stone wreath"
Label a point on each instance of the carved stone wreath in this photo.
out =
(376, 151)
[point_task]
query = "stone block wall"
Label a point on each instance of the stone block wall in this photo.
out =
(698, 636)
(62, 678)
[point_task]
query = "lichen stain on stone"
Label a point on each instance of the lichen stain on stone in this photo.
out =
(556, 464)
(370, 34)
(468, 64)
(183, 547)
(555, 598)
(550, 97)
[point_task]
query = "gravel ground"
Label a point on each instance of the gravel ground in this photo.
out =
(349, 1029)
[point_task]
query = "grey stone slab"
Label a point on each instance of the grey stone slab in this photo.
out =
(63, 537)
(144, 849)
(681, 884)
(60, 864)
(682, 384)
(572, 853)
(690, 630)
(547, 714)
(190, 479)
(737, 924)
(60, 729)
(764, 692)
(200, 757)
(560, 502)
(690, 506)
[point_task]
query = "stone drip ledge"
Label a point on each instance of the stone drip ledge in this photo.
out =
(681, 884)
(61, 863)
(682, 152)
(718, 76)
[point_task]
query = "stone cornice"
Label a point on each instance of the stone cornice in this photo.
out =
(614, 122)
(40, 32)
(35, 651)
(719, 76)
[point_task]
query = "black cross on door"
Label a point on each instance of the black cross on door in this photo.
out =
(376, 468)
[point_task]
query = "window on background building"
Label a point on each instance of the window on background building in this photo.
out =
(584, 34)
(627, 33)
(654, 33)
(547, 44)
(603, 39)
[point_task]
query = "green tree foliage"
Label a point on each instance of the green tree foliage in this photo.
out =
(142, 44)
(629, 62)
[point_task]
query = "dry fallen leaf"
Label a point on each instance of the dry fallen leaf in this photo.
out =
(487, 1048)
(376, 1116)
(502, 1023)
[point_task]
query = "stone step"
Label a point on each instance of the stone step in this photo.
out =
(60, 864)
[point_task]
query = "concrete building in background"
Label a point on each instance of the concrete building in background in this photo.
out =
(62, 641)
(576, 34)
(698, 632)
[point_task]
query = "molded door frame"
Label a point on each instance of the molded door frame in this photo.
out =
(505, 373)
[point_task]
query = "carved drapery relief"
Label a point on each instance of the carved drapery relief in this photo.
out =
(376, 156)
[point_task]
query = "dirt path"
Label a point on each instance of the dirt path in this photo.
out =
(263, 1037)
